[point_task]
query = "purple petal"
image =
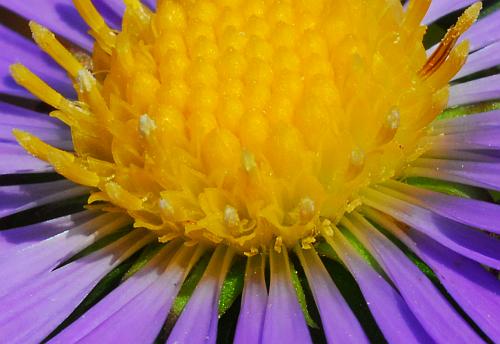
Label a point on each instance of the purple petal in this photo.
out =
(198, 321)
(253, 304)
(31, 312)
(476, 290)
(475, 91)
(53, 137)
(28, 53)
(136, 310)
(470, 212)
(469, 242)
(430, 307)
(482, 59)
(482, 174)
(17, 117)
(490, 119)
(339, 323)
(284, 321)
(15, 159)
(464, 155)
(17, 198)
(23, 237)
(21, 265)
(440, 8)
(393, 316)
(111, 10)
(58, 138)
(41, 125)
(481, 138)
(150, 3)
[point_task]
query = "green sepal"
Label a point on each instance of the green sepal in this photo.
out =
(489, 8)
(326, 250)
(232, 286)
(189, 286)
(449, 188)
(146, 255)
(495, 195)
(361, 250)
(466, 110)
(301, 297)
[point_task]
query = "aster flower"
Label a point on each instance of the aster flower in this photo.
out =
(250, 171)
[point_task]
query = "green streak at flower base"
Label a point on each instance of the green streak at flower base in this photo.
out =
(469, 109)
(233, 285)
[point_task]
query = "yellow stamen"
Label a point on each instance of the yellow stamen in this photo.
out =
(48, 42)
(99, 29)
(448, 42)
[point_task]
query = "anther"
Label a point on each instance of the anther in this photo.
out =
(146, 125)
(231, 217)
(248, 160)
(306, 209)
(84, 80)
(166, 207)
(357, 157)
(393, 118)
(278, 243)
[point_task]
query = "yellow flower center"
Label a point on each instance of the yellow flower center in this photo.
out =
(251, 123)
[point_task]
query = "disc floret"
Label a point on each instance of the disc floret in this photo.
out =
(250, 123)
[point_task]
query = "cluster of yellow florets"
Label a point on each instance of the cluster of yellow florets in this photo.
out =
(248, 122)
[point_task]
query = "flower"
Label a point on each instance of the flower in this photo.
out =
(283, 166)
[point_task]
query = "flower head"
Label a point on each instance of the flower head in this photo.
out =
(230, 133)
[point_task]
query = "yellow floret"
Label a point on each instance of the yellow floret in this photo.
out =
(249, 123)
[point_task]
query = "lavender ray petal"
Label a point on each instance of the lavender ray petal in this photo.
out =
(474, 139)
(17, 198)
(471, 212)
(14, 159)
(111, 10)
(150, 3)
(476, 290)
(390, 311)
(22, 237)
(284, 321)
(436, 315)
(475, 91)
(490, 119)
(482, 59)
(136, 310)
(198, 321)
(253, 304)
(339, 323)
(464, 240)
(465, 155)
(18, 116)
(43, 126)
(55, 137)
(481, 174)
(23, 265)
(31, 312)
